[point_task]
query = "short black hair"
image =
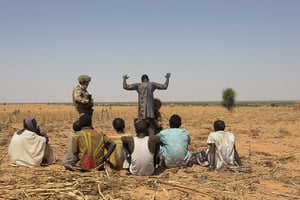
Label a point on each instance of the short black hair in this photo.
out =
(118, 124)
(140, 126)
(219, 125)
(175, 121)
(76, 126)
(145, 76)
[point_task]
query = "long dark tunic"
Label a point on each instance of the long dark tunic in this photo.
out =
(145, 96)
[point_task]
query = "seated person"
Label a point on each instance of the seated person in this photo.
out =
(222, 149)
(89, 145)
(157, 116)
(70, 158)
(29, 146)
(174, 144)
(117, 159)
(142, 149)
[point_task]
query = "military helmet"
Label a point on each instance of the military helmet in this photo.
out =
(84, 78)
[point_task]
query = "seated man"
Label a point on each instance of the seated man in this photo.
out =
(142, 149)
(70, 158)
(174, 144)
(222, 149)
(29, 146)
(157, 116)
(117, 159)
(89, 145)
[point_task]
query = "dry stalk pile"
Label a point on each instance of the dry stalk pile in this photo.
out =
(267, 140)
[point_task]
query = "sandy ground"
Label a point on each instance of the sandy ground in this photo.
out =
(267, 139)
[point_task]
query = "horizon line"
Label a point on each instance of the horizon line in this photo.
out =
(164, 102)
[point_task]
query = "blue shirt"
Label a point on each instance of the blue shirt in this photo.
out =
(174, 146)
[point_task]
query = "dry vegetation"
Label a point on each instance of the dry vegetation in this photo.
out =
(267, 139)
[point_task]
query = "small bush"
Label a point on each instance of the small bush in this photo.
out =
(229, 99)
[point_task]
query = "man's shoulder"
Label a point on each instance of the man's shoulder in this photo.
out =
(116, 136)
(127, 139)
(77, 87)
(174, 130)
(153, 137)
(29, 136)
(89, 130)
(214, 134)
(218, 134)
(229, 134)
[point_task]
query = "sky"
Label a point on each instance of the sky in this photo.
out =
(251, 46)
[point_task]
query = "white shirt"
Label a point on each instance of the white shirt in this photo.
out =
(224, 142)
(142, 160)
(27, 149)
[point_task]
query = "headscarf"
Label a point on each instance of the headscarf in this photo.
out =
(31, 125)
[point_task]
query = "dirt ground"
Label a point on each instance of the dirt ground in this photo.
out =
(267, 139)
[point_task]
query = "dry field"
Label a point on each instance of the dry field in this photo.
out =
(267, 139)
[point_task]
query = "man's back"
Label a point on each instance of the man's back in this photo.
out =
(117, 158)
(142, 160)
(89, 144)
(27, 149)
(224, 142)
(174, 146)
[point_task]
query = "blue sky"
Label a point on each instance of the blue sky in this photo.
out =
(207, 46)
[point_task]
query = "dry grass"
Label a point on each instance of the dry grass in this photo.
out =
(267, 139)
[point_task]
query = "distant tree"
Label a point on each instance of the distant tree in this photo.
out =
(229, 99)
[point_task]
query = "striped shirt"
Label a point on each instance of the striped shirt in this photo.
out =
(89, 144)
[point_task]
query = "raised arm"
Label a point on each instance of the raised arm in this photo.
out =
(125, 77)
(128, 86)
(163, 86)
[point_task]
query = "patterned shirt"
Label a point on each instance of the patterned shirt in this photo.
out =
(89, 144)
(117, 158)
(174, 146)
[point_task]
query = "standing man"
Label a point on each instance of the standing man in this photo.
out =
(81, 98)
(145, 91)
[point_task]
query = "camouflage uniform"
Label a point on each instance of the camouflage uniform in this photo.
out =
(81, 98)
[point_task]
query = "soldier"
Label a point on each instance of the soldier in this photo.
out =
(145, 91)
(81, 98)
